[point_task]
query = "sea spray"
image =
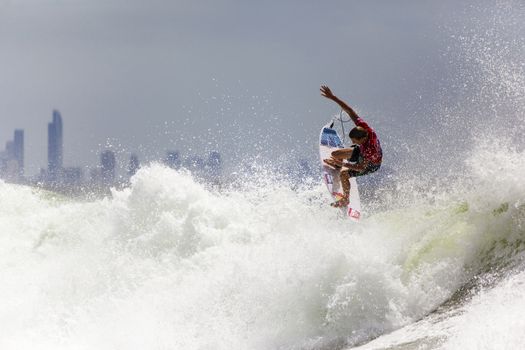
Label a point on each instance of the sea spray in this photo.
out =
(169, 263)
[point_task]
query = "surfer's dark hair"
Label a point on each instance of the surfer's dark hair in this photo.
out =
(358, 133)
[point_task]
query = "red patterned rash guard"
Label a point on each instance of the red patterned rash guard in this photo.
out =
(371, 149)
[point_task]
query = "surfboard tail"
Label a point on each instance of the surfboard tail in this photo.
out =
(353, 214)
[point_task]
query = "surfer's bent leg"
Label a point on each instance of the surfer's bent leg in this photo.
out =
(344, 175)
(342, 154)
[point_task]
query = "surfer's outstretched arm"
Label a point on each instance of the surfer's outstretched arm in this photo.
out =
(326, 92)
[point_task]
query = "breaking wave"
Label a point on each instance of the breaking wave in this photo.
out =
(171, 264)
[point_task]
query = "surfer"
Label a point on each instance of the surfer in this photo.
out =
(365, 154)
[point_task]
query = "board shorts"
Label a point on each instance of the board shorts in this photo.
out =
(357, 158)
(371, 168)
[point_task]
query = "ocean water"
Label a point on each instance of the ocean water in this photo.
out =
(171, 264)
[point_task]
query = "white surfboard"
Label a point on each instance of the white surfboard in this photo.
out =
(329, 141)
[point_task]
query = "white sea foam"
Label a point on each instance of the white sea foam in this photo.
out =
(169, 264)
(482, 238)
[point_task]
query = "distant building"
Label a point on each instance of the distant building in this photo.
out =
(108, 162)
(72, 177)
(133, 165)
(173, 159)
(214, 165)
(10, 149)
(195, 164)
(3, 162)
(95, 175)
(12, 159)
(10, 171)
(18, 150)
(55, 146)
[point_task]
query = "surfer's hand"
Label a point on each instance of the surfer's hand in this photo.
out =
(326, 92)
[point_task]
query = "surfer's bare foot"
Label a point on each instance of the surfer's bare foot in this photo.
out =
(343, 202)
(333, 163)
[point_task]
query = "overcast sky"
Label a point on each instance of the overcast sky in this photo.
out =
(231, 75)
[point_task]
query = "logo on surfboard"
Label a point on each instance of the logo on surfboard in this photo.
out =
(328, 179)
(354, 214)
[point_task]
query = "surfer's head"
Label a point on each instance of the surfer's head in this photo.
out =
(358, 135)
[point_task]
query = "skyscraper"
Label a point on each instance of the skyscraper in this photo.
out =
(214, 165)
(10, 149)
(55, 145)
(12, 159)
(18, 150)
(133, 165)
(108, 162)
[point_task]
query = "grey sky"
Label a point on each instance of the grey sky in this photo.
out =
(147, 76)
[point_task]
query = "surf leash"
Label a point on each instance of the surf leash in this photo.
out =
(342, 121)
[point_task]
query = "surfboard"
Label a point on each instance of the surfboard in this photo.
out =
(329, 141)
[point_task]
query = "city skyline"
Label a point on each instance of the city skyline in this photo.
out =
(243, 79)
(55, 152)
(107, 173)
(239, 78)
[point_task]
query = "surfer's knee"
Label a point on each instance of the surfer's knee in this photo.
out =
(336, 155)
